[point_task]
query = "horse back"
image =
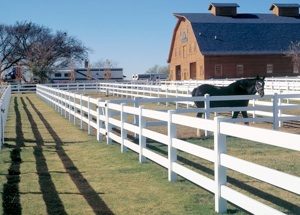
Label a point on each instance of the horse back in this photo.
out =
(207, 89)
(219, 91)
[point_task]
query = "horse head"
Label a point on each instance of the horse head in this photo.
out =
(260, 85)
(252, 86)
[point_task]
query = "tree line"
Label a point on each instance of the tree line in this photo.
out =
(38, 48)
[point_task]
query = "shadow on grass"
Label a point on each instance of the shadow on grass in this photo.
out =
(290, 207)
(51, 198)
(11, 195)
(86, 190)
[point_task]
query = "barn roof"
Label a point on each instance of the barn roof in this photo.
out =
(244, 33)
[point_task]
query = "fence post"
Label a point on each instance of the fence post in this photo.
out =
(75, 109)
(89, 116)
(254, 113)
(220, 171)
(167, 103)
(123, 131)
(187, 93)
(207, 109)
(55, 100)
(61, 102)
(172, 152)
(65, 104)
(142, 139)
(81, 113)
(135, 118)
(99, 136)
(158, 93)
(69, 102)
(275, 112)
(279, 112)
(107, 125)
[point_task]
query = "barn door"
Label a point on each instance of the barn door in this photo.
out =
(178, 72)
(193, 70)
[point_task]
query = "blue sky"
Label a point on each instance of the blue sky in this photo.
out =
(136, 34)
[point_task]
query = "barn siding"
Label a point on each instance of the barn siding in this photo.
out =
(185, 51)
(253, 65)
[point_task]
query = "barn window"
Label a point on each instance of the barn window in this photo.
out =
(239, 69)
(269, 68)
(57, 75)
(218, 69)
(67, 74)
(296, 68)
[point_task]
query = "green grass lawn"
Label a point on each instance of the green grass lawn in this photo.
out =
(49, 166)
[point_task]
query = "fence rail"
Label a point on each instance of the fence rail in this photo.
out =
(104, 116)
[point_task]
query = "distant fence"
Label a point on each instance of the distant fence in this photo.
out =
(277, 85)
(103, 116)
(5, 92)
(274, 108)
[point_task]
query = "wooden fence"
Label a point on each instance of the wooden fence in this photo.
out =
(103, 116)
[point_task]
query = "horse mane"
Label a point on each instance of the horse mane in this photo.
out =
(194, 91)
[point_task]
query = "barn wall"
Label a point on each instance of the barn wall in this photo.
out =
(252, 65)
(186, 54)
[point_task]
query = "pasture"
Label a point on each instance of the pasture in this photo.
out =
(49, 166)
(105, 171)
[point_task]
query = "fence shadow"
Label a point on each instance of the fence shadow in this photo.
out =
(51, 198)
(11, 195)
(86, 190)
(290, 207)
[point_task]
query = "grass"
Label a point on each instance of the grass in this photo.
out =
(48, 166)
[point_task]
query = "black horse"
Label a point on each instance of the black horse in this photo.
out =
(240, 87)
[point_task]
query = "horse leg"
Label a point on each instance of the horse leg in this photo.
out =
(199, 115)
(245, 115)
(235, 114)
(198, 130)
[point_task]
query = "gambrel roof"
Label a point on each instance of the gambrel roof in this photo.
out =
(242, 34)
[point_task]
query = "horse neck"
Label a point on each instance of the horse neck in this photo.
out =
(247, 90)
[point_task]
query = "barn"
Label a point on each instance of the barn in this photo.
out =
(228, 44)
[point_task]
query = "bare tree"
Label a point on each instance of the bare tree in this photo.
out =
(52, 51)
(158, 69)
(38, 48)
(9, 47)
(105, 63)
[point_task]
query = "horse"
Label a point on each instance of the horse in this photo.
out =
(239, 87)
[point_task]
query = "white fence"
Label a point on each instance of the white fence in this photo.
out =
(103, 116)
(270, 108)
(285, 85)
(5, 92)
(274, 108)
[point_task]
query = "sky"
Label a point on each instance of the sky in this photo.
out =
(135, 34)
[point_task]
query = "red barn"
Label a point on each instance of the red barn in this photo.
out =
(227, 44)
